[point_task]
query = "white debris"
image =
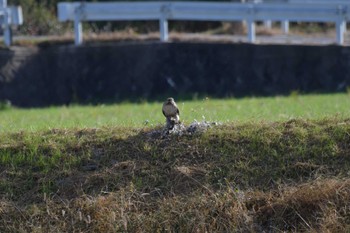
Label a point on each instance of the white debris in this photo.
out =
(202, 126)
(180, 129)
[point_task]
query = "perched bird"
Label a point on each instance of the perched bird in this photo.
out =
(171, 112)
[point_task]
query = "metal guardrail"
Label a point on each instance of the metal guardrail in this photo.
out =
(204, 11)
(285, 23)
(9, 16)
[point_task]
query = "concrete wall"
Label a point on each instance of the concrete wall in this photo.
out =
(62, 74)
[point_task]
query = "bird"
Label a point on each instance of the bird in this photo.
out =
(171, 113)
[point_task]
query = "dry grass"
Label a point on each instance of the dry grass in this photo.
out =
(227, 30)
(318, 206)
(253, 177)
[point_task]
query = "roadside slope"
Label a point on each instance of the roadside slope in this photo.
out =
(256, 176)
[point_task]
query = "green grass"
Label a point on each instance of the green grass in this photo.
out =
(136, 115)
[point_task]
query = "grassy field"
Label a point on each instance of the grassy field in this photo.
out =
(137, 115)
(275, 164)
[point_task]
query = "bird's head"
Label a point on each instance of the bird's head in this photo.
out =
(170, 100)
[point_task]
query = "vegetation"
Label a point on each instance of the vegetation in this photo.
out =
(149, 114)
(287, 176)
(284, 169)
(41, 19)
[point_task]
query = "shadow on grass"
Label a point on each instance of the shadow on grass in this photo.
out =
(264, 156)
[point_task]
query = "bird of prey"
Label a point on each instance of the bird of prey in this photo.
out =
(171, 112)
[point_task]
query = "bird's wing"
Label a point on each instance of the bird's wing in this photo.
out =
(177, 111)
(163, 113)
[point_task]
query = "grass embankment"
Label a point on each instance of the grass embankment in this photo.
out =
(239, 177)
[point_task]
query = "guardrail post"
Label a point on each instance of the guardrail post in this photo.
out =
(78, 28)
(163, 26)
(285, 26)
(268, 24)
(340, 28)
(251, 31)
(7, 35)
(7, 28)
(163, 23)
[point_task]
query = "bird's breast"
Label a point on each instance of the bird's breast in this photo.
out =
(169, 110)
